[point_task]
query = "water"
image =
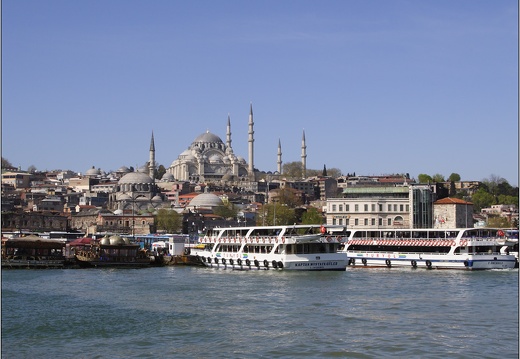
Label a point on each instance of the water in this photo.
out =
(191, 312)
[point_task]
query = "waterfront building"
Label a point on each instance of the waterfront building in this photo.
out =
(405, 206)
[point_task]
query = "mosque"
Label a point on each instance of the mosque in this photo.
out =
(207, 159)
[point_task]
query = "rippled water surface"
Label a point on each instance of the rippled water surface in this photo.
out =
(196, 312)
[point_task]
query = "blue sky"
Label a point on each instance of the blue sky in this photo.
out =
(378, 86)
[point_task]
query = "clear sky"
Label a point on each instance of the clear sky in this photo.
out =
(378, 86)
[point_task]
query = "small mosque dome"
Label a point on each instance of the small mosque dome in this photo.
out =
(206, 200)
(135, 177)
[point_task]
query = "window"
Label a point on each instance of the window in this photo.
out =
(373, 221)
(389, 208)
(407, 208)
(373, 207)
(380, 221)
(395, 207)
(401, 207)
(356, 221)
(333, 208)
(366, 207)
(366, 221)
(340, 221)
(380, 207)
(347, 208)
(333, 221)
(356, 208)
(389, 221)
(341, 208)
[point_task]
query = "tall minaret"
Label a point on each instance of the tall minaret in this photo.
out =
(251, 140)
(228, 133)
(151, 165)
(279, 162)
(304, 156)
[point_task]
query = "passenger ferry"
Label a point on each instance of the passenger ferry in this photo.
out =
(460, 248)
(287, 247)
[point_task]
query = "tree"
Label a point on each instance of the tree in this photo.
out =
(31, 169)
(168, 220)
(277, 214)
(312, 216)
(454, 177)
(424, 178)
(226, 211)
(482, 199)
(6, 163)
(160, 171)
(292, 169)
(438, 178)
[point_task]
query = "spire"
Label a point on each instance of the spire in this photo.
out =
(279, 162)
(304, 156)
(151, 165)
(152, 144)
(228, 134)
(251, 141)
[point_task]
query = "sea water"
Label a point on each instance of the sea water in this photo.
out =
(196, 312)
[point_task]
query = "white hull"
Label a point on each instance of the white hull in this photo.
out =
(431, 261)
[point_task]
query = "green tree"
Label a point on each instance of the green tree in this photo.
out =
(226, 211)
(292, 169)
(482, 199)
(277, 214)
(168, 220)
(454, 177)
(438, 178)
(424, 178)
(160, 171)
(312, 216)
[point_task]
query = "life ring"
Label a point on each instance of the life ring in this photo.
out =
(364, 261)
(223, 260)
(266, 263)
(209, 260)
(248, 262)
(203, 259)
(231, 261)
(429, 264)
(256, 263)
(239, 261)
(275, 265)
(466, 263)
(280, 264)
(186, 251)
(352, 261)
(414, 263)
(216, 260)
(388, 263)
(329, 238)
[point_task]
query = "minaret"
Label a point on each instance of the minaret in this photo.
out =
(151, 165)
(279, 162)
(304, 156)
(228, 133)
(251, 140)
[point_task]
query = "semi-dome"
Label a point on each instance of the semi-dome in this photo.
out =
(206, 200)
(208, 137)
(135, 177)
(123, 169)
(167, 177)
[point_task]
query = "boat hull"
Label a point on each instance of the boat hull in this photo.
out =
(86, 261)
(415, 260)
(328, 262)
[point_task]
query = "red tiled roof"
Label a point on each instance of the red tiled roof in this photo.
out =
(449, 200)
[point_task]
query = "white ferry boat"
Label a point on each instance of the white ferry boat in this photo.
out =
(466, 248)
(287, 247)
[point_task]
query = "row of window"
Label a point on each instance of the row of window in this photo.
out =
(366, 221)
(380, 206)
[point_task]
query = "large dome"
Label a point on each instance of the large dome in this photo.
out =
(208, 137)
(206, 200)
(135, 177)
